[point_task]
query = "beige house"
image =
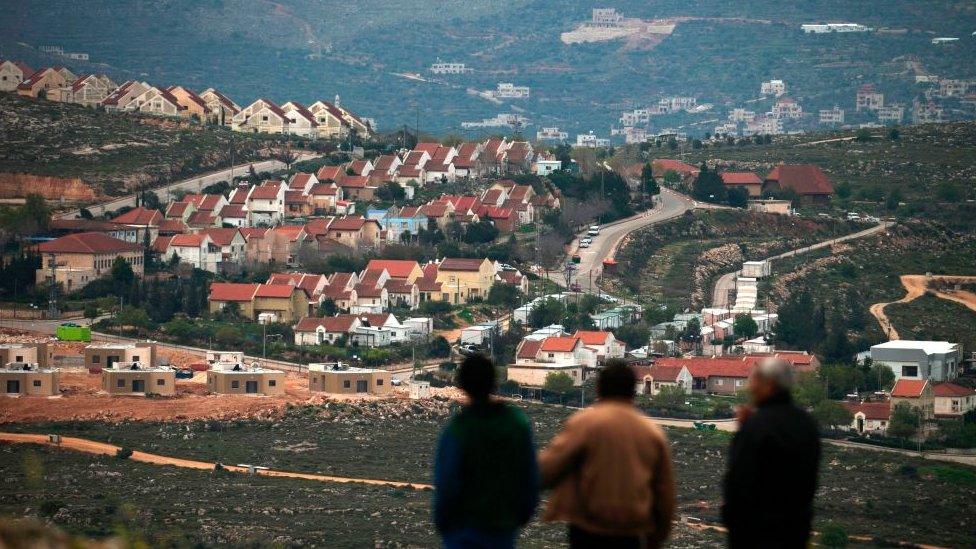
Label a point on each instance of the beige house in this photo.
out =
(156, 101)
(535, 359)
(278, 302)
(88, 90)
(330, 120)
(652, 379)
(220, 108)
(261, 116)
(32, 353)
(120, 97)
(107, 355)
(245, 380)
(917, 393)
(136, 379)
(463, 279)
(193, 106)
(338, 378)
(953, 400)
(75, 260)
(29, 379)
(44, 81)
(12, 73)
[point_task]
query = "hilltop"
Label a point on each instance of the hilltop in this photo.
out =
(110, 152)
(304, 50)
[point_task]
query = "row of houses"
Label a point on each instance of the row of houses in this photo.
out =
(321, 119)
(931, 401)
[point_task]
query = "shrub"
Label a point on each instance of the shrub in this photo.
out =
(833, 535)
(123, 453)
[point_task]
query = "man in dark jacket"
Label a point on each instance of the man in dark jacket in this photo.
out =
(485, 475)
(772, 466)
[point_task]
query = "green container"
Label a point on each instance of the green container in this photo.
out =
(70, 331)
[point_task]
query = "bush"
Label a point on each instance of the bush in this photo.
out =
(833, 535)
(123, 453)
(50, 507)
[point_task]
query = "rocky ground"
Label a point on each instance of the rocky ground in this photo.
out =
(867, 493)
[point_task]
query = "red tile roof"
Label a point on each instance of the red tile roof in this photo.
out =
(397, 268)
(228, 291)
(367, 290)
(187, 240)
(161, 244)
(805, 179)
(328, 173)
(139, 216)
(190, 95)
(659, 372)
(265, 191)
(233, 211)
(740, 178)
(908, 388)
(349, 223)
(300, 181)
(274, 291)
(460, 264)
(871, 410)
(592, 337)
(221, 237)
(292, 232)
(739, 367)
(338, 323)
(529, 349)
(87, 243)
(669, 165)
(324, 189)
(172, 226)
(559, 344)
(952, 390)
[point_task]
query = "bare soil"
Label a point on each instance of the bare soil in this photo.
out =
(916, 286)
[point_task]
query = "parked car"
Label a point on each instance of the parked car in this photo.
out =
(585, 243)
(395, 381)
(594, 230)
(469, 349)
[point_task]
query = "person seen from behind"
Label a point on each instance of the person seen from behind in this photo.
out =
(772, 465)
(486, 480)
(610, 470)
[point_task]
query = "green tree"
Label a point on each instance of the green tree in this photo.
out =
(504, 295)
(440, 347)
(833, 535)
(708, 187)
(745, 326)
(634, 335)
(545, 312)
(391, 192)
(133, 316)
(228, 336)
(947, 191)
(808, 389)
(558, 382)
(904, 421)
(91, 312)
(830, 414)
(648, 183)
(327, 308)
(481, 232)
(122, 274)
(863, 134)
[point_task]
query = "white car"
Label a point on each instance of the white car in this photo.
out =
(594, 230)
(585, 243)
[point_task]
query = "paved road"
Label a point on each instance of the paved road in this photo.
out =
(590, 267)
(726, 282)
(193, 184)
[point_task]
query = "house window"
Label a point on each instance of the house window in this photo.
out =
(120, 383)
(909, 371)
(273, 383)
(346, 384)
(135, 358)
(235, 384)
(96, 359)
(160, 382)
(379, 382)
(719, 382)
(19, 358)
(37, 383)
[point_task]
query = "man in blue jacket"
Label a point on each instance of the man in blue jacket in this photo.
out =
(485, 475)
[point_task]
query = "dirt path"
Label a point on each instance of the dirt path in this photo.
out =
(103, 449)
(915, 287)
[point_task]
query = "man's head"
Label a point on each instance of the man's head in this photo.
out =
(476, 377)
(616, 380)
(772, 377)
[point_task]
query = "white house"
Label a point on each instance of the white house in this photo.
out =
(651, 379)
(953, 400)
(535, 359)
(197, 250)
(928, 360)
(605, 344)
(329, 330)
(869, 417)
(266, 203)
(301, 121)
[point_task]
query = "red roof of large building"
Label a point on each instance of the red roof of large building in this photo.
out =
(740, 178)
(592, 337)
(562, 344)
(952, 390)
(87, 243)
(804, 179)
(705, 367)
(529, 348)
(230, 291)
(397, 268)
(139, 216)
(274, 290)
(908, 388)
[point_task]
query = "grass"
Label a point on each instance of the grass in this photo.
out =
(951, 475)
(860, 490)
(934, 318)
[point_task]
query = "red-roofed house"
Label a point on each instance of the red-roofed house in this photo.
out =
(953, 400)
(138, 223)
(514, 278)
(220, 108)
(155, 101)
(301, 120)
(355, 232)
(44, 81)
(651, 379)
(405, 269)
(266, 202)
(806, 180)
(236, 215)
(271, 302)
(231, 246)
(717, 375)
(193, 105)
(605, 344)
(323, 198)
(536, 359)
(261, 116)
(180, 210)
(330, 120)
(12, 73)
(869, 417)
(121, 96)
(463, 279)
(331, 330)
(77, 259)
(660, 167)
(744, 180)
(196, 250)
(88, 90)
(917, 393)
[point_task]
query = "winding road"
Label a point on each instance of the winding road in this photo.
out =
(726, 283)
(915, 287)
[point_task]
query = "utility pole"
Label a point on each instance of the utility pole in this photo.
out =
(52, 300)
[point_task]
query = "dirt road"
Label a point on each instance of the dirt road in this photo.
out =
(915, 287)
(103, 449)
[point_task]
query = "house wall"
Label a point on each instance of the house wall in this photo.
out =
(10, 76)
(954, 406)
(726, 385)
(288, 309)
(246, 307)
(461, 286)
(534, 374)
(269, 383)
(76, 270)
(377, 382)
(926, 403)
(28, 353)
(157, 382)
(98, 357)
(35, 383)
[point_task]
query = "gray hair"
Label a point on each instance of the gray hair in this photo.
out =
(777, 370)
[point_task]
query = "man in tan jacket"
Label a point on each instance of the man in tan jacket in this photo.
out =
(610, 470)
